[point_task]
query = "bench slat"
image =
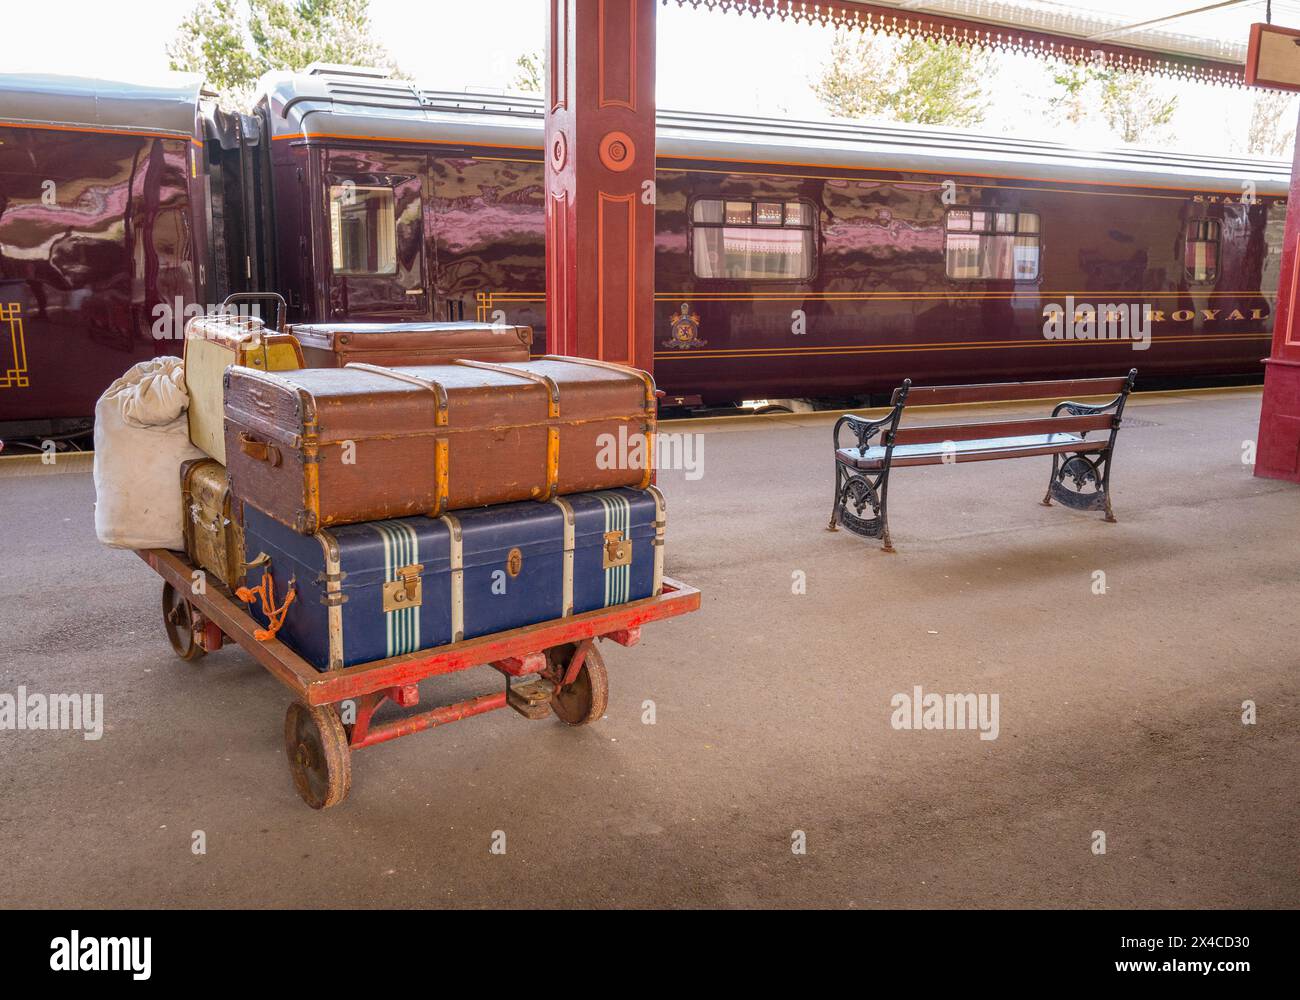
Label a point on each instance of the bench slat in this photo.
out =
(991, 455)
(938, 433)
(997, 392)
(978, 450)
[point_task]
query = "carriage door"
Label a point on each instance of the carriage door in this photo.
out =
(376, 238)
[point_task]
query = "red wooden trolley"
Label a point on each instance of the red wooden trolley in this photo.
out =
(572, 681)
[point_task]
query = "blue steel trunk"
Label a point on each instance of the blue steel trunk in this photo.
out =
(370, 591)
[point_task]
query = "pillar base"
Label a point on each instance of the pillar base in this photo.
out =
(1278, 453)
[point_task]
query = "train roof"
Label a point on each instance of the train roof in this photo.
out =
(351, 103)
(166, 104)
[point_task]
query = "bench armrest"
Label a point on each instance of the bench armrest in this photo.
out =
(1074, 409)
(864, 430)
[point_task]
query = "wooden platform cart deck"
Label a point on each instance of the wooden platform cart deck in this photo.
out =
(332, 713)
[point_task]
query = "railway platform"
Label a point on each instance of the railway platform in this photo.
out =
(767, 721)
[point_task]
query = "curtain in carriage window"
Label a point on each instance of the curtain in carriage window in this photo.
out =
(1274, 230)
(1201, 251)
(363, 229)
(752, 240)
(987, 244)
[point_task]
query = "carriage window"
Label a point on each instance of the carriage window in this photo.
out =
(753, 240)
(363, 229)
(1201, 250)
(1274, 230)
(984, 243)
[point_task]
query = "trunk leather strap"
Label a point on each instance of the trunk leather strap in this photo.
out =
(441, 417)
(552, 388)
(651, 403)
(552, 411)
(651, 400)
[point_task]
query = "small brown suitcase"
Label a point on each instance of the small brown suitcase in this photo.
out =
(320, 447)
(333, 345)
(214, 532)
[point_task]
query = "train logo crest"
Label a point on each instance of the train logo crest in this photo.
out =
(685, 330)
(15, 377)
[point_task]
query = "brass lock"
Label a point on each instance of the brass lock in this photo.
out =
(618, 550)
(407, 591)
(514, 562)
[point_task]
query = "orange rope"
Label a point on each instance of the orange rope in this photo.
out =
(266, 591)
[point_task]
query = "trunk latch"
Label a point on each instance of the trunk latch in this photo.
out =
(406, 591)
(618, 550)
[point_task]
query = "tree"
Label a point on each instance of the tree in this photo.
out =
(233, 42)
(529, 77)
(1127, 102)
(210, 41)
(1268, 133)
(904, 80)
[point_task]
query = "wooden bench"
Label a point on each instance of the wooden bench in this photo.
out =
(1080, 465)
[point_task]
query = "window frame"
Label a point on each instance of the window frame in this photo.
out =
(369, 185)
(1217, 241)
(993, 211)
(813, 227)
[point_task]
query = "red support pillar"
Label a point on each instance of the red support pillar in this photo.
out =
(1277, 454)
(600, 151)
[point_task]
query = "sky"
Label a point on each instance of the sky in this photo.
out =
(706, 60)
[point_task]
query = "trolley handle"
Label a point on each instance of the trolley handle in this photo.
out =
(281, 308)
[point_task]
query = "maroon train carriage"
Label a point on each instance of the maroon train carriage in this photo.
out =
(794, 259)
(121, 205)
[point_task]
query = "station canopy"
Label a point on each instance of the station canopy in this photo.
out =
(1203, 41)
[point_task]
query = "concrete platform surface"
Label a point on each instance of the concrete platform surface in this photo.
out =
(1119, 712)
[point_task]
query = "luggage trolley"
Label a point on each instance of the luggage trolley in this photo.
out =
(572, 682)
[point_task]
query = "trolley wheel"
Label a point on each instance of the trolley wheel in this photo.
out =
(319, 758)
(178, 620)
(586, 699)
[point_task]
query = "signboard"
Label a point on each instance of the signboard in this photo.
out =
(1273, 59)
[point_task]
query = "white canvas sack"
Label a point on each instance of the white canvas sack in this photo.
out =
(141, 439)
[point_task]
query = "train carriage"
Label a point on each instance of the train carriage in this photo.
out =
(123, 207)
(793, 259)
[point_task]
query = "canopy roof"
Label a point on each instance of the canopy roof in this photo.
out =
(1195, 39)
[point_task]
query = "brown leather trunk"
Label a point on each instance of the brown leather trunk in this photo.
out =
(333, 345)
(319, 447)
(214, 531)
